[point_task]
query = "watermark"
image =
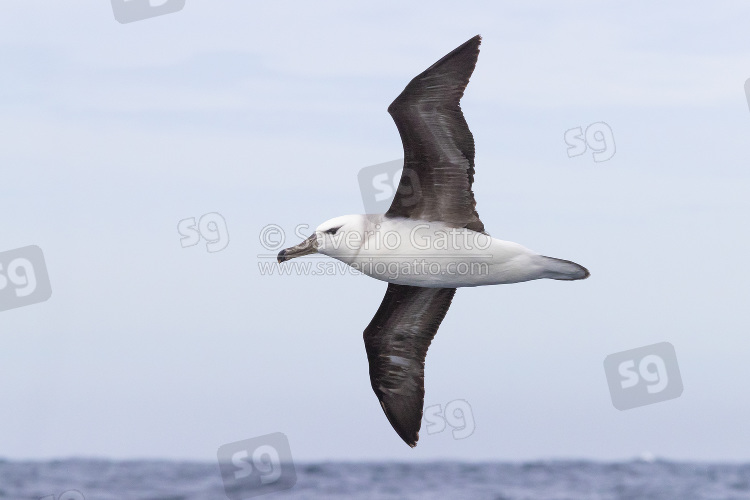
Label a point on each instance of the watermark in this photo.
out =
(257, 466)
(379, 184)
(128, 11)
(420, 237)
(393, 269)
(272, 236)
(67, 495)
(457, 414)
(23, 278)
(643, 376)
(212, 227)
(747, 91)
(598, 137)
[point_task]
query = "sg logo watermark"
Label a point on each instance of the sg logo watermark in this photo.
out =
(23, 278)
(128, 11)
(379, 184)
(211, 226)
(598, 137)
(457, 414)
(643, 376)
(68, 495)
(257, 466)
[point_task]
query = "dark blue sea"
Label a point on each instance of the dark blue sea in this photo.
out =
(547, 480)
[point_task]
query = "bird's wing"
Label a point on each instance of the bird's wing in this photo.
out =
(396, 340)
(438, 145)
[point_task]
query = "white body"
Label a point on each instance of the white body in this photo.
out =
(431, 254)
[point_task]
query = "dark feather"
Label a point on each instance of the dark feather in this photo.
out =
(438, 145)
(397, 340)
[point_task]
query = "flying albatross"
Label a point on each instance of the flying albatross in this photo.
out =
(429, 242)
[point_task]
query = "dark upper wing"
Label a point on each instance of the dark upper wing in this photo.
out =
(438, 145)
(396, 340)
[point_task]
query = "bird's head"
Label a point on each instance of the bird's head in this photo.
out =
(340, 238)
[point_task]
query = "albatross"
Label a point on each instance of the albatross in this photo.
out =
(430, 241)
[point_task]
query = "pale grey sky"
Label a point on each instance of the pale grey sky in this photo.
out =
(110, 134)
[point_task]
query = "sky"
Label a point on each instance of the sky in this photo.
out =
(111, 134)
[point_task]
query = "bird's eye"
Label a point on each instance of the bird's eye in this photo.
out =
(333, 230)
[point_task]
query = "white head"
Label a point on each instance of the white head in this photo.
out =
(340, 238)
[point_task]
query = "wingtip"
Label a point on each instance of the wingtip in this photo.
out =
(402, 433)
(476, 40)
(411, 442)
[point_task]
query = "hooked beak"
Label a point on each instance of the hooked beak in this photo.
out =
(310, 245)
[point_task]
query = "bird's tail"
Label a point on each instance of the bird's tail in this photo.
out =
(559, 269)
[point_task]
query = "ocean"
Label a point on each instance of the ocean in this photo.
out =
(544, 480)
